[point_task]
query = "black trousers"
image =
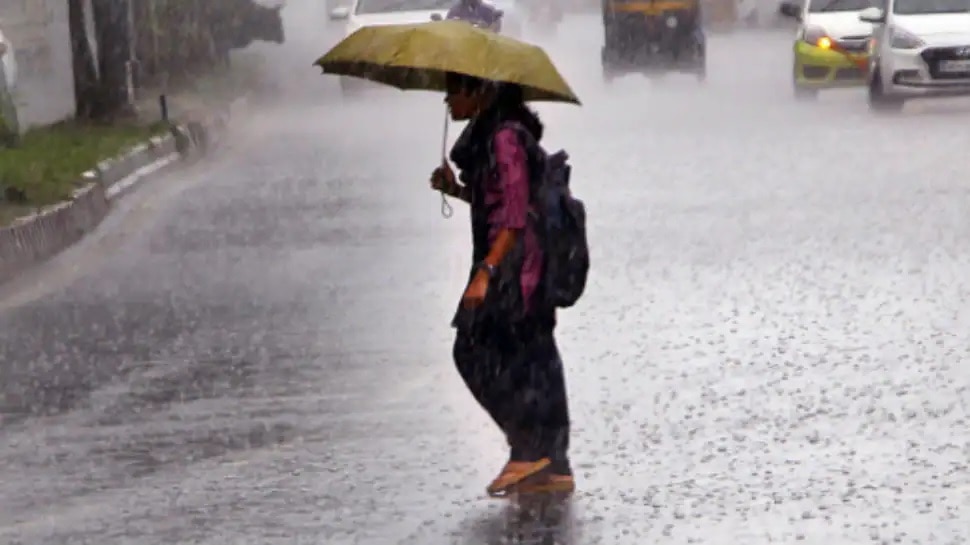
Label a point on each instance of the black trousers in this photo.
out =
(519, 380)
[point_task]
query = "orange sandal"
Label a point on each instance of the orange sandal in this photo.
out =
(514, 473)
(547, 483)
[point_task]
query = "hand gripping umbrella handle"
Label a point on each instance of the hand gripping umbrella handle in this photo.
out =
(446, 210)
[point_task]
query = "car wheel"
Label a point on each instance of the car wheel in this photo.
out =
(606, 66)
(879, 101)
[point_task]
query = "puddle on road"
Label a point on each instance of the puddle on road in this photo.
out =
(144, 454)
(536, 520)
(164, 384)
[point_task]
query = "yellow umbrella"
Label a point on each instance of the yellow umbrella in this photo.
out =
(417, 56)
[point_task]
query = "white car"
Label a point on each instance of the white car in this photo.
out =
(363, 13)
(920, 48)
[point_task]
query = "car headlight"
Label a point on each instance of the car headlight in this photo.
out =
(903, 39)
(816, 36)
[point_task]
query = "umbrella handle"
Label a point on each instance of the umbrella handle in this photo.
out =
(446, 209)
(444, 136)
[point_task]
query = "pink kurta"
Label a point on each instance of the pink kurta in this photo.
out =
(508, 190)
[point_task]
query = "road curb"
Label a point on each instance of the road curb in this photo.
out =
(33, 239)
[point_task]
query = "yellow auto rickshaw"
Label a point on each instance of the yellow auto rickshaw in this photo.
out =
(653, 35)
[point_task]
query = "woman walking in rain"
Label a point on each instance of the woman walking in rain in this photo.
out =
(504, 347)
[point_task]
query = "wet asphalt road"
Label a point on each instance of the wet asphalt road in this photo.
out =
(772, 349)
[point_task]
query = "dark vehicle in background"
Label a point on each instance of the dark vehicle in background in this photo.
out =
(242, 22)
(653, 36)
(479, 13)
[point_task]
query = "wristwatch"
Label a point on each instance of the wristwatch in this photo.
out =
(492, 270)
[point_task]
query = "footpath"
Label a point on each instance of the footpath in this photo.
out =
(61, 181)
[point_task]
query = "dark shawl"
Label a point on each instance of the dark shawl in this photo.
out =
(503, 312)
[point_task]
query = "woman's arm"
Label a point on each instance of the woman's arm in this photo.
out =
(503, 244)
(510, 216)
(513, 177)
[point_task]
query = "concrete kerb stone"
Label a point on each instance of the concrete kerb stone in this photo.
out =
(35, 238)
(127, 171)
(38, 237)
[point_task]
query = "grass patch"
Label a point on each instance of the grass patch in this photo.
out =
(47, 165)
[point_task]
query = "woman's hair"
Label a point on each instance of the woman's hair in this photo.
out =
(508, 104)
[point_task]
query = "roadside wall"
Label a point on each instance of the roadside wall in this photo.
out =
(41, 36)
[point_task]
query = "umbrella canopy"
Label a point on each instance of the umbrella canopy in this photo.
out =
(418, 56)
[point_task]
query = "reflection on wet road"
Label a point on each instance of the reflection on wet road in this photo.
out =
(771, 348)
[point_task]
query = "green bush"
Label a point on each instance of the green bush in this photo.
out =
(47, 164)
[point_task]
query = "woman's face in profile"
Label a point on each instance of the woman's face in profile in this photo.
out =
(462, 104)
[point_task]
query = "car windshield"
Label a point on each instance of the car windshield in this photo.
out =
(390, 6)
(920, 7)
(823, 6)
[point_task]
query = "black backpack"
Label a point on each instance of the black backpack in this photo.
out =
(560, 222)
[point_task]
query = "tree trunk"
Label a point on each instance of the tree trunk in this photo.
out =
(86, 85)
(114, 50)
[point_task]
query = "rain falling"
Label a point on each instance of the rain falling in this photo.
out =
(250, 292)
